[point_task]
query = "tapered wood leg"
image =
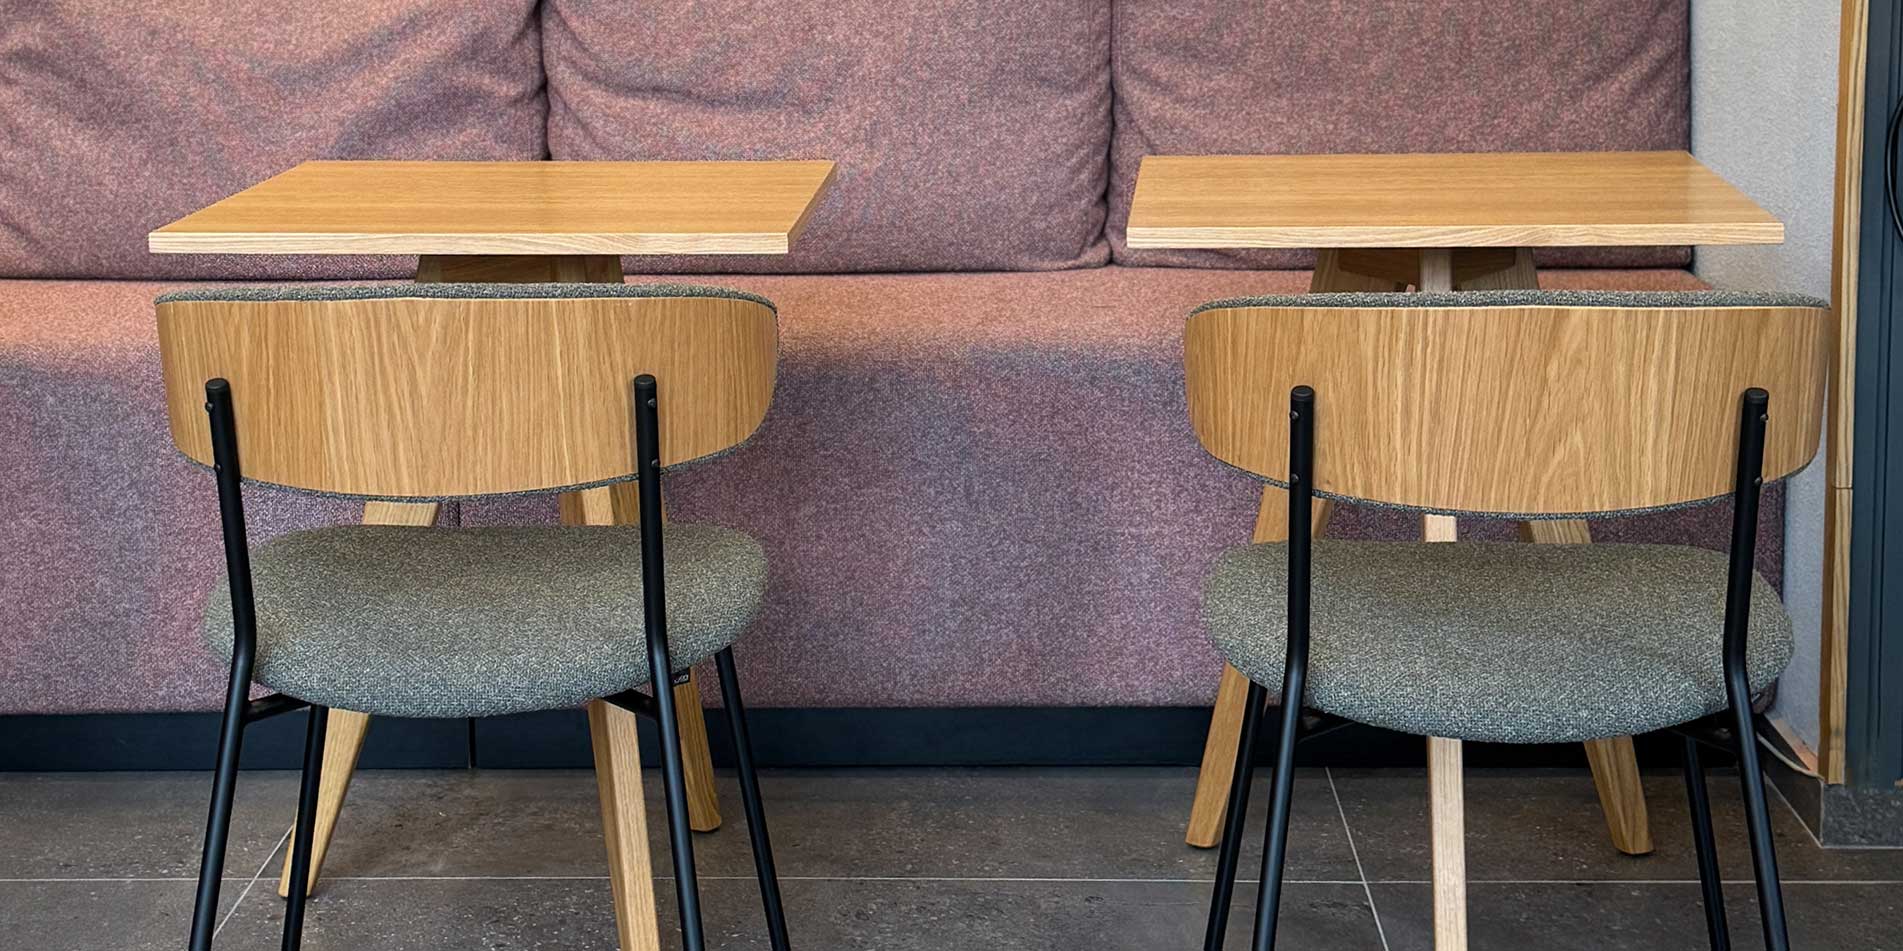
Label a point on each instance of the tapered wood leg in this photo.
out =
(618, 504)
(343, 739)
(1225, 722)
(1615, 766)
(624, 824)
(1449, 818)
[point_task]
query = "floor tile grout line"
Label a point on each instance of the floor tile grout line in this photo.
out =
(250, 884)
(976, 880)
(1349, 831)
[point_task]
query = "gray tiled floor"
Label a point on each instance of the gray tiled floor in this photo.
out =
(905, 860)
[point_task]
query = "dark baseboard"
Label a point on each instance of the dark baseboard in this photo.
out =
(788, 737)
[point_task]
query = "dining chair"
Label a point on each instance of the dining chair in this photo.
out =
(440, 391)
(1519, 404)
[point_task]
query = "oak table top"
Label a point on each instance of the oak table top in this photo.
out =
(1473, 200)
(510, 208)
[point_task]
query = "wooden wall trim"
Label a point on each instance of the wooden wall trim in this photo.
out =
(1846, 220)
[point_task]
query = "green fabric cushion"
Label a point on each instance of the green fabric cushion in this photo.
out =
(1512, 643)
(424, 622)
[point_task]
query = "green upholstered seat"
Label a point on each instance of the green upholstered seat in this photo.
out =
(422, 622)
(1515, 643)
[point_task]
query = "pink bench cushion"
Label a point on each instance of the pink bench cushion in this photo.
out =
(975, 489)
(1208, 77)
(970, 134)
(116, 118)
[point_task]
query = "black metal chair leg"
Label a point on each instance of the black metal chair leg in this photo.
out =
(680, 836)
(1702, 839)
(1295, 660)
(750, 798)
(647, 438)
(306, 822)
(1235, 819)
(1275, 848)
(211, 866)
(1758, 818)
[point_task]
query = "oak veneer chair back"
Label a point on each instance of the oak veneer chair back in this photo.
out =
(449, 390)
(1510, 403)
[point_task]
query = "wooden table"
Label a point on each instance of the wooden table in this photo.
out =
(1435, 223)
(513, 222)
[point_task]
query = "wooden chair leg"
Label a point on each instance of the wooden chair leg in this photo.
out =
(1448, 810)
(624, 824)
(343, 740)
(1225, 723)
(618, 505)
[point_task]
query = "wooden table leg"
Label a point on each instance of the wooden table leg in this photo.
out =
(1335, 270)
(1615, 766)
(1225, 722)
(624, 824)
(617, 507)
(1448, 809)
(343, 737)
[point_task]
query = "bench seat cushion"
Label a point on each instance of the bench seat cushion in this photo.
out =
(973, 489)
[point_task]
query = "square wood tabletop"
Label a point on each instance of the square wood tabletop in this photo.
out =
(510, 208)
(1521, 199)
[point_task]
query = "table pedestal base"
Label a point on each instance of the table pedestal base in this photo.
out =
(1614, 765)
(610, 505)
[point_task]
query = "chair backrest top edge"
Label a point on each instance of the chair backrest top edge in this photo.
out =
(453, 291)
(1523, 298)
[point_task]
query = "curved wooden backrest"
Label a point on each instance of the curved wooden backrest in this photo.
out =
(1518, 409)
(414, 397)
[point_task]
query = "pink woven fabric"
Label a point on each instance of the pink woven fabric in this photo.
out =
(116, 118)
(1199, 77)
(970, 134)
(975, 489)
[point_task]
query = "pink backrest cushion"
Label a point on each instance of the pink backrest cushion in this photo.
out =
(1203, 77)
(118, 117)
(969, 134)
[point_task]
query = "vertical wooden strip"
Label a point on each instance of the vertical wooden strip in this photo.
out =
(1448, 811)
(1437, 270)
(624, 824)
(1846, 224)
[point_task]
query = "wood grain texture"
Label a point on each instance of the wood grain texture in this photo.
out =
(1615, 772)
(1508, 409)
(1440, 201)
(624, 824)
(1448, 811)
(343, 742)
(431, 398)
(1218, 770)
(518, 269)
(602, 208)
(1846, 232)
